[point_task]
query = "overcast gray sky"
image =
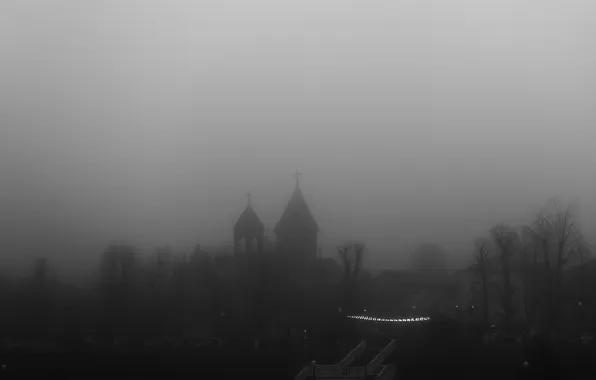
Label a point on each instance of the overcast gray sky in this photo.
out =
(418, 120)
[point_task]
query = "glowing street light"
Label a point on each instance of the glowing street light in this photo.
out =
(389, 320)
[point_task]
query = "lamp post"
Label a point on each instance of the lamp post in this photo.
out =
(581, 316)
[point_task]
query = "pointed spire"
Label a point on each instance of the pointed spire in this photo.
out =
(297, 213)
(248, 195)
(297, 174)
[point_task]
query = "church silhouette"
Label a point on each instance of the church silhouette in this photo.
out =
(296, 231)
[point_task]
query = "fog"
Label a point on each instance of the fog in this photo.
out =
(411, 121)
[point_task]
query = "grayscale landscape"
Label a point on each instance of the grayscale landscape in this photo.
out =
(306, 189)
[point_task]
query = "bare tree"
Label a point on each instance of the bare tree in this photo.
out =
(117, 272)
(585, 254)
(351, 256)
(358, 257)
(567, 239)
(506, 240)
(558, 238)
(541, 231)
(531, 272)
(483, 270)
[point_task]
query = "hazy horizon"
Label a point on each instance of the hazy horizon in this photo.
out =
(411, 121)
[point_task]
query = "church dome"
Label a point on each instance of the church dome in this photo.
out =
(249, 223)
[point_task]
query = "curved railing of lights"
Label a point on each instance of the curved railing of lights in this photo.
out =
(388, 320)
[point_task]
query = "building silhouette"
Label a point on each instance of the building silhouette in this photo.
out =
(249, 232)
(297, 231)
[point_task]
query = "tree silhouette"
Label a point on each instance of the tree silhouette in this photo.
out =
(117, 267)
(483, 270)
(507, 242)
(555, 237)
(351, 256)
(531, 273)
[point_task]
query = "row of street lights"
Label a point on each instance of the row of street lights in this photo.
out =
(388, 320)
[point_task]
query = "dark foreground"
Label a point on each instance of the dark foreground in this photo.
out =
(165, 366)
(448, 355)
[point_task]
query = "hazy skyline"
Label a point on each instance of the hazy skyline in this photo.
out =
(411, 121)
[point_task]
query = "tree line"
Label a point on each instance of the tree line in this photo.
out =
(539, 253)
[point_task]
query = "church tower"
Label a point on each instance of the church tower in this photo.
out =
(249, 231)
(297, 231)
